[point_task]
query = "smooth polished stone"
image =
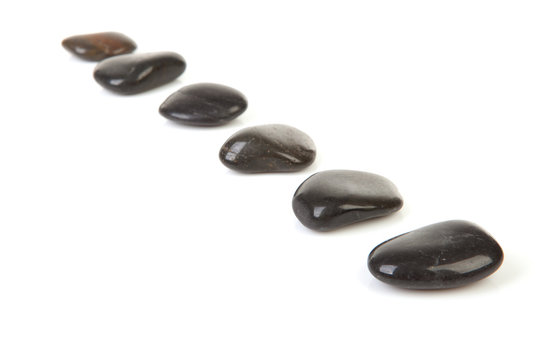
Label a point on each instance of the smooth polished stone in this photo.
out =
(99, 46)
(136, 73)
(268, 148)
(439, 256)
(204, 104)
(332, 199)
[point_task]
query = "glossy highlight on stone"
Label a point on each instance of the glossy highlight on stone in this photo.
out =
(136, 73)
(268, 148)
(335, 198)
(204, 104)
(439, 256)
(99, 46)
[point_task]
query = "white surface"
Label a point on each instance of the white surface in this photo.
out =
(123, 237)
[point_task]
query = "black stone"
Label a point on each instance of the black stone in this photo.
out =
(268, 148)
(439, 256)
(136, 73)
(332, 199)
(99, 46)
(204, 104)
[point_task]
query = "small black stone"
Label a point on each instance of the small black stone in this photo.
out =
(99, 46)
(439, 256)
(268, 148)
(136, 73)
(332, 199)
(204, 104)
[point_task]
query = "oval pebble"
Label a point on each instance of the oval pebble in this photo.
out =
(439, 256)
(204, 104)
(136, 73)
(268, 148)
(99, 46)
(335, 198)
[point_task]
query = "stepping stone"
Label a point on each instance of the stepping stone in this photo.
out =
(439, 256)
(332, 199)
(204, 104)
(268, 148)
(136, 73)
(98, 46)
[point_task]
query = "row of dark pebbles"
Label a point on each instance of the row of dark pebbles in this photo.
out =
(439, 256)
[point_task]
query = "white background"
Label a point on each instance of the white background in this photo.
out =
(122, 236)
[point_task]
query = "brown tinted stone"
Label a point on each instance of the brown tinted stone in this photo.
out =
(98, 46)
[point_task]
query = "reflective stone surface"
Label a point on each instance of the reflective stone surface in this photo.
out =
(332, 199)
(98, 46)
(136, 73)
(204, 104)
(268, 148)
(439, 256)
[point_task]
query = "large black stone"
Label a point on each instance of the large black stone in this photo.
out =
(332, 199)
(439, 256)
(99, 46)
(136, 73)
(268, 148)
(204, 104)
